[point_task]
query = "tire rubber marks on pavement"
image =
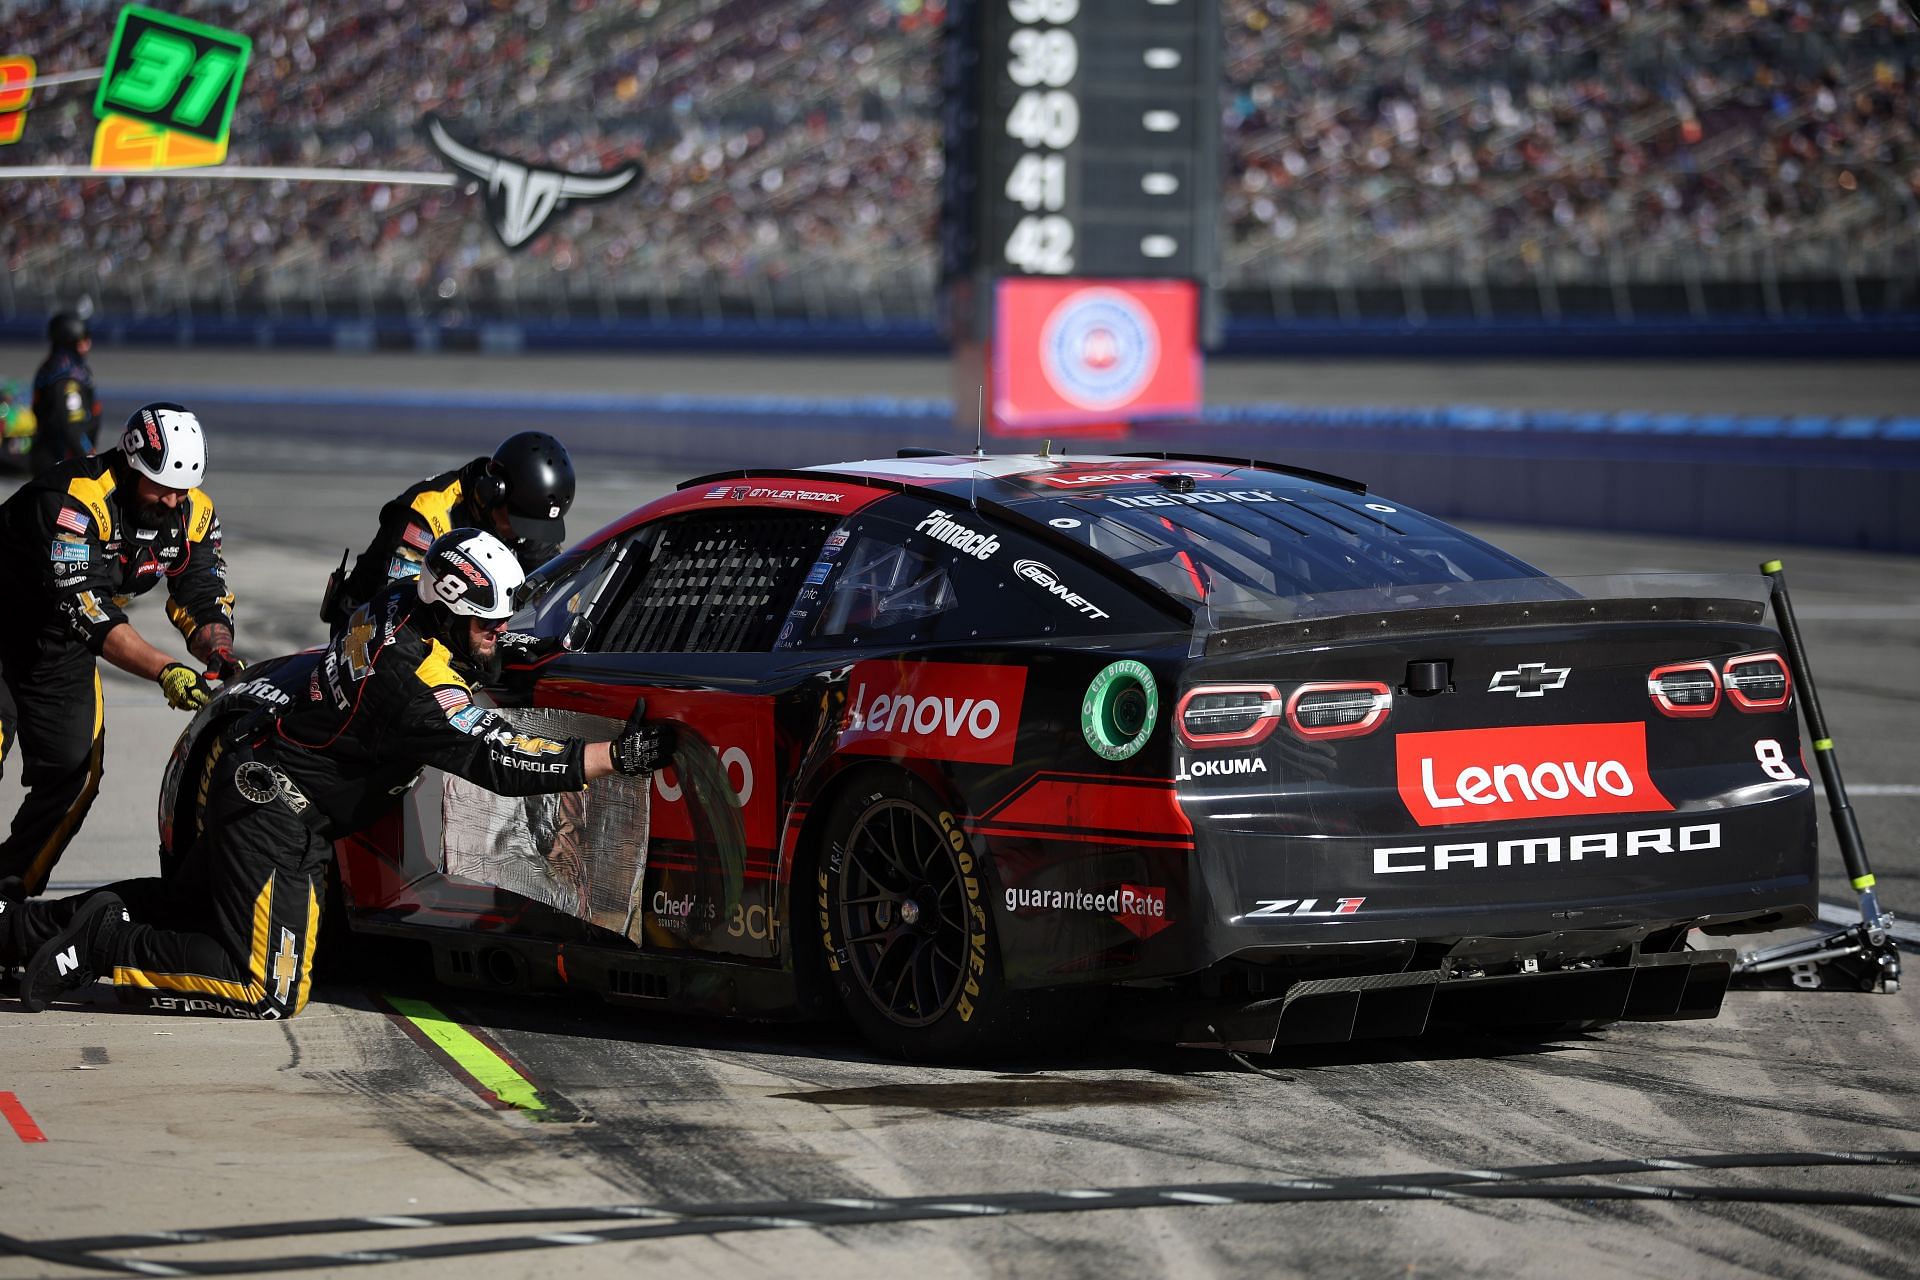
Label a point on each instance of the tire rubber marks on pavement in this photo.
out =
(1526, 1182)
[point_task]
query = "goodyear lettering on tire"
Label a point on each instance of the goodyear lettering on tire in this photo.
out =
(976, 917)
(826, 917)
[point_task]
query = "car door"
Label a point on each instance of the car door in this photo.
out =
(688, 617)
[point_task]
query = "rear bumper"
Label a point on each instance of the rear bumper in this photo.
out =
(1665, 987)
(1730, 868)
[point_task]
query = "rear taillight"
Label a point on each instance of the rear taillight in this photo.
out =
(1685, 689)
(1344, 709)
(1758, 682)
(1228, 715)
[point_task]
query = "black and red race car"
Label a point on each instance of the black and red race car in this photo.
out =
(1238, 751)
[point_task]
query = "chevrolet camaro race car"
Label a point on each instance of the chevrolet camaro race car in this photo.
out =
(1239, 752)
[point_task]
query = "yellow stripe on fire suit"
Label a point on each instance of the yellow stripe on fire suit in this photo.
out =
(42, 864)
(200, 984)
(312, 941)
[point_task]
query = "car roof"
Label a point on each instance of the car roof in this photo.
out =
(1014, 480)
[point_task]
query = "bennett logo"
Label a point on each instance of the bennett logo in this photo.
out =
(1043, 576)
(522, 199)
(942, 528)
(934, 710)
(1497, 775)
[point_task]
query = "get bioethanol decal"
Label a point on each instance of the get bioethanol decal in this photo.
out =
(1121, 707)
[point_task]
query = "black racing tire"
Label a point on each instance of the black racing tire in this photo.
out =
(905, 921)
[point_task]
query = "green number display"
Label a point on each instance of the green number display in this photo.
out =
(173, 72)
(160, 62)
(210, 74)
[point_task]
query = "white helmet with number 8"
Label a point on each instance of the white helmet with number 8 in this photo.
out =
(471, 573)
(163, 442)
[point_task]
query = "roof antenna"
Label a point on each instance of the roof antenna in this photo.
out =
(980, 422)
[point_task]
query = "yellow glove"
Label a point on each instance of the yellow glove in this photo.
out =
(186, 689)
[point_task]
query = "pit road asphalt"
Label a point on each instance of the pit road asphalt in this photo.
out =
(175, 1124)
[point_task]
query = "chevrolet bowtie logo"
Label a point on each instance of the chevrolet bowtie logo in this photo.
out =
(1529, 680)
(522, 199)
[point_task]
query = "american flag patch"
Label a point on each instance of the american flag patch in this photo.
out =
(71, 519)
(719, 492)
(415, 536)
(451, 700)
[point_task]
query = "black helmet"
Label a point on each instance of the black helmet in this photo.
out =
(531, 474)
(66, 329)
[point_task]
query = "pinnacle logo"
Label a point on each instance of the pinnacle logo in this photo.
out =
(522, 199)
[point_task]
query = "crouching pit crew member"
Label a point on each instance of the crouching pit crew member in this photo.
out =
(76, 544)
(229, 927)
(520, 495)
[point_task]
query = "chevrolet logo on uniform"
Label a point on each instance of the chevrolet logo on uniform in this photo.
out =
(1529, 680)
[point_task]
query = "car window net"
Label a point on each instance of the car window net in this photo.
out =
(881, 585)
(717, 584)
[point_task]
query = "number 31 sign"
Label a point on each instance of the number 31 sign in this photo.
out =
(173, 73)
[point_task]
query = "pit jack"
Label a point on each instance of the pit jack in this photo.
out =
(1861, 957)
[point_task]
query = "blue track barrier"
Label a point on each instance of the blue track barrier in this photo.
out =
(1838, 481)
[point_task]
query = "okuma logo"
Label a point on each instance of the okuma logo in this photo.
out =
(522, 198)
(1219, 768)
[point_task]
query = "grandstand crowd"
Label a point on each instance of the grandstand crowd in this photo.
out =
(787, 141)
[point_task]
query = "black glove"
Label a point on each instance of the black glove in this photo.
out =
(522, 648)
(222, 665)
(643, 745)
(186, 689)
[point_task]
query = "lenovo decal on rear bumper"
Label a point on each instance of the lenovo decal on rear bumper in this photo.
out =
(1546, 771)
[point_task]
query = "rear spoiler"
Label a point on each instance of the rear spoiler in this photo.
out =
(1254, 636)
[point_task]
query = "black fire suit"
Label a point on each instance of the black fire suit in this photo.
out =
(408, 526)
(65, 407)
(74, 549)
(229, 927)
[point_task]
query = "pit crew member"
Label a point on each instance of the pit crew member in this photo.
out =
(521, 495)
(64, 404)
(229, 927)
(76, 544)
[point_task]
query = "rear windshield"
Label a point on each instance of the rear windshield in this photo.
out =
(1245, 549)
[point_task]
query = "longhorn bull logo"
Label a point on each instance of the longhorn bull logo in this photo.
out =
(522, 198)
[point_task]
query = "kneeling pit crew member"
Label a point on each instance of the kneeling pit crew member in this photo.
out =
(229, 928)
(77, 543)
(520, 495)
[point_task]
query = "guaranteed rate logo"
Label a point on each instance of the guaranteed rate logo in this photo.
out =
(523, 198)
